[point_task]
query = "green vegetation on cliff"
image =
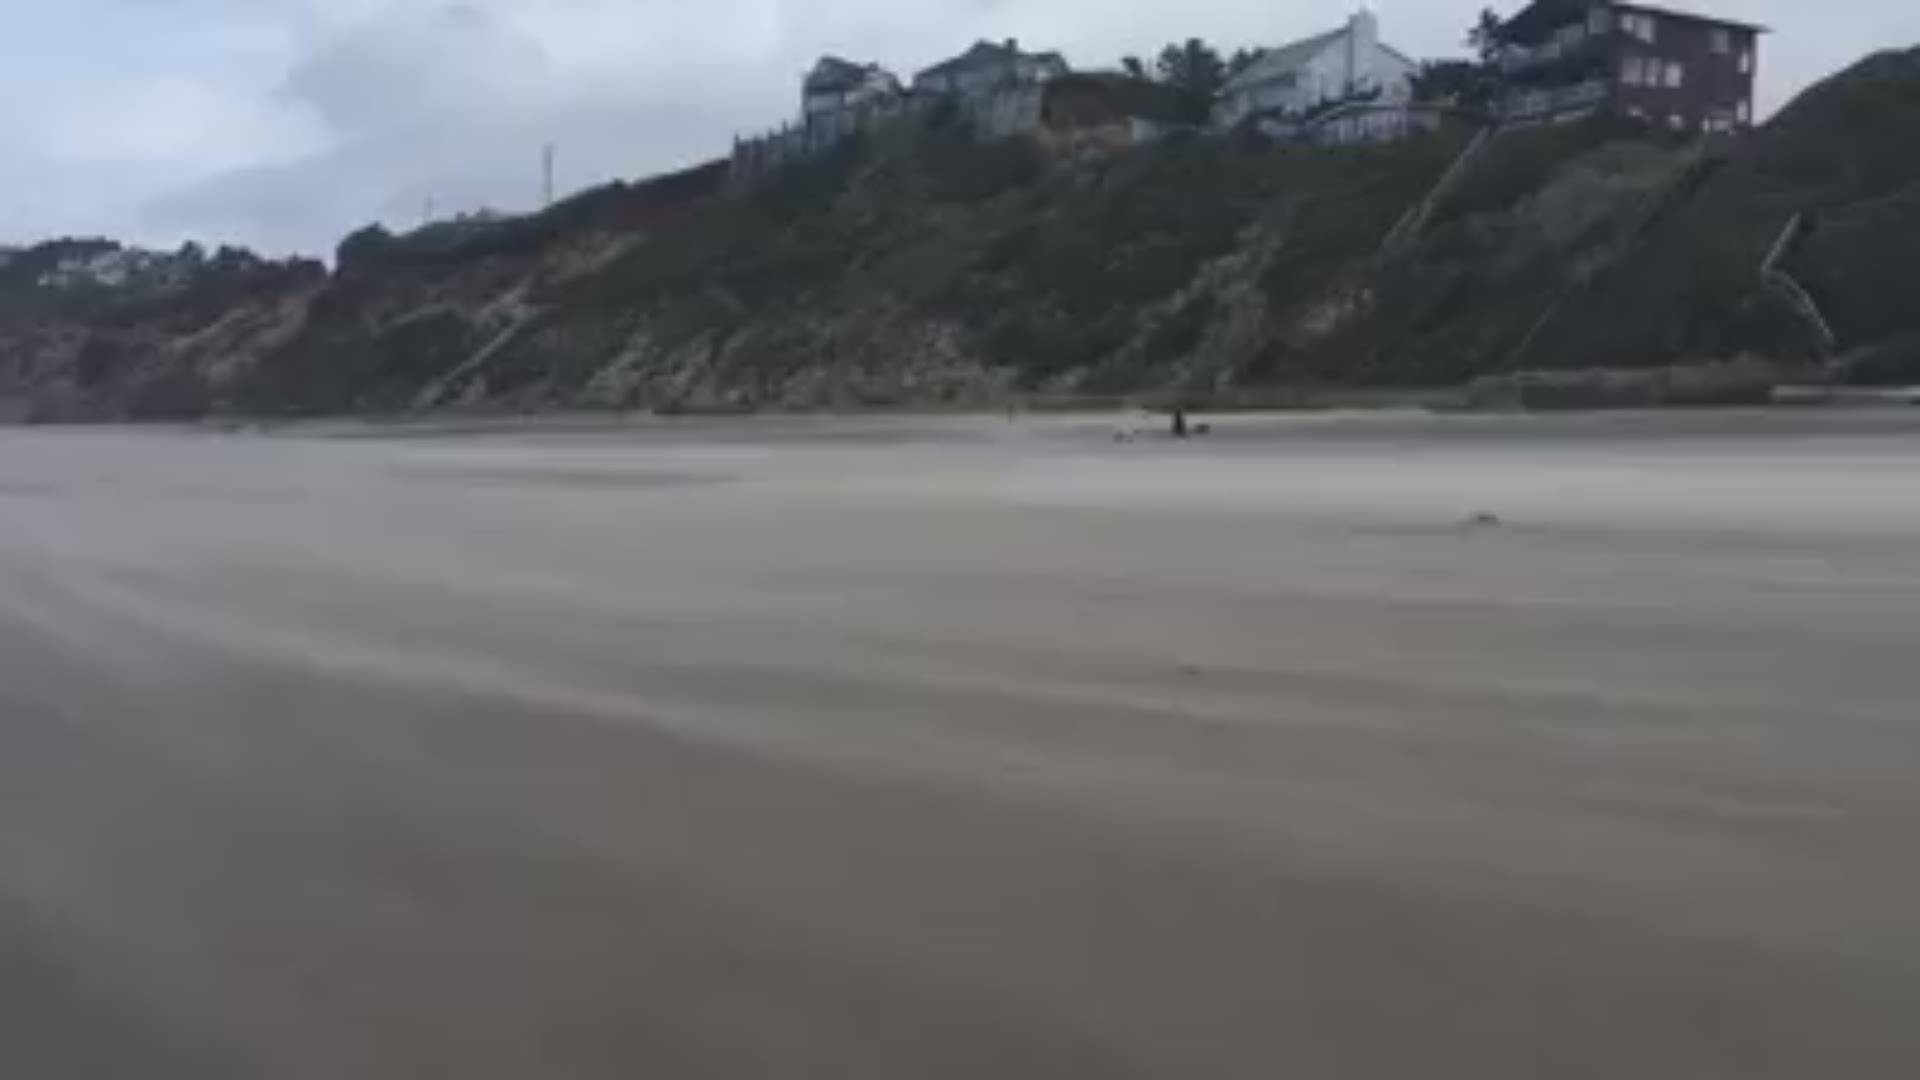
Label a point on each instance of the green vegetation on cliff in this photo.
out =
(919, 266)
(1847, 154)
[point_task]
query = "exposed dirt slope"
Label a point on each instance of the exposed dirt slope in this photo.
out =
(919, 266)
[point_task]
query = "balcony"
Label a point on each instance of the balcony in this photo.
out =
(1538, 104)
(1570, 42)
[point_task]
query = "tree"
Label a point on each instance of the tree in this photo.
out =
(365, 247)
(1470, 84)
(1194, 66)
(228, 257)
(1133, 66)
(1487, 36)
(1464, 83)
(1242, 60)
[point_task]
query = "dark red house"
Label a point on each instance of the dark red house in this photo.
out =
(1687, 71)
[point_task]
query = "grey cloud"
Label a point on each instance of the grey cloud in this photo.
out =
(380, 105)
(397, 175)
(446, 106)
(418, 63)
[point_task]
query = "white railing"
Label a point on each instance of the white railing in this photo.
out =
(1570, 40)
(1532, 104)
(816, 134)
(1518, 58)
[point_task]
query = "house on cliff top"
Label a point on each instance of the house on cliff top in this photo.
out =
(987, 68)
(1684, 70)
(836, 85)
(1294, 80)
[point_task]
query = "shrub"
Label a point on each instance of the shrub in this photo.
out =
(1520, 162)
(1894, 362)
(178, 393)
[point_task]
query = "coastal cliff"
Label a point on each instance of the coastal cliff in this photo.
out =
(918, 266)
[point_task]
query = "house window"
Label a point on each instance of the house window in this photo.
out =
(1677, 122)
(1746, 63)
(1745, 112)
(1720, 40)
(1676, 75)
(1599, 21)
(1641, 25)
(1633, 71)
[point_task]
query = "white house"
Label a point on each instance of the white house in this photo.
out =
(1339, 65)
(115, 267)
(987, 67)
(836, 85)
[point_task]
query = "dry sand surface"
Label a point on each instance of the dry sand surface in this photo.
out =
(964, 748)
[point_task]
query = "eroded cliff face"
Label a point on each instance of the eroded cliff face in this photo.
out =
(167, 343)
(921, 267)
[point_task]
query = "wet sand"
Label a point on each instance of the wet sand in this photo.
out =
(1350, 747)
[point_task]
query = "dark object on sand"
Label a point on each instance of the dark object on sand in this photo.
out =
(1180, 424)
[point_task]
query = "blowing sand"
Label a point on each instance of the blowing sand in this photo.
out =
(1357, 748)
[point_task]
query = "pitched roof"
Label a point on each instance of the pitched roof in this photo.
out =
(985, 54)
(1543, 11)
(833, 73)
(1689, 12)
(1290, 57)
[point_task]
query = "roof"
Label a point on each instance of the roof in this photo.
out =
(833, 73)
(1689, 10)
(1290, 57)
(1692, 16)
(985, 54)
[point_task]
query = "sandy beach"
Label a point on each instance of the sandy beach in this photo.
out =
(1350, 746)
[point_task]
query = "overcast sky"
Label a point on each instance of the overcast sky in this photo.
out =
(284, 123)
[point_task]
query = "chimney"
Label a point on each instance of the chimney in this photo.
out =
(1363, 45)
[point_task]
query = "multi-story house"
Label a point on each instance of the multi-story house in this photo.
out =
(836, 85)
(987, 68)
(1568, 58)
(1345, 64)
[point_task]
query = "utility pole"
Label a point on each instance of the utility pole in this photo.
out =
(547, 174)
